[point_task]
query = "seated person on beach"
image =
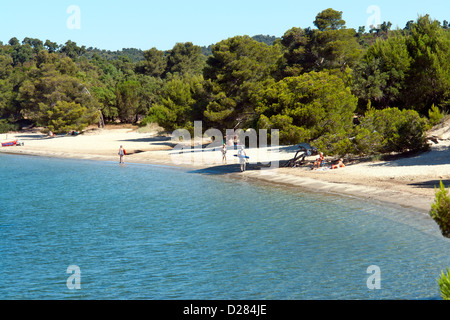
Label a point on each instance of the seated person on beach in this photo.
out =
(319, 161)
(340, 164)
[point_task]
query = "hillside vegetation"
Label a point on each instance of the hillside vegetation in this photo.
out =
(342, 90)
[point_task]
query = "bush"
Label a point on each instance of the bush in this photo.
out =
(366, 141)
(444, 284)
(65, 117)
(6, 126)
(435, 115)
(315, 107)
(440, 210)
(392, 130)
(163, 116)
(337, 143)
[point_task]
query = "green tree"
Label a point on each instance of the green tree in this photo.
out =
(155, 63)
(104, 88)
(128, 100)
(65, 116)
(107, 98)
(185, 58)
(36, 44)
(125, 66)
(331, 47)
(381, 75)
(391, 130)
(6, 87)
(51, 46)
(149, 92)
(21, 53)
(369, 82)
(269, 40)
(71, 49)
(6, 66)
(11, 79)
(329, 19)
(50, 83)
(315, 107)
(14, 42)
(334, 49)
(177, 108)
(238, 68)
(429, 77)
(297, 52)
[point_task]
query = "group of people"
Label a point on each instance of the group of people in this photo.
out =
(242, 156)
(321, 159)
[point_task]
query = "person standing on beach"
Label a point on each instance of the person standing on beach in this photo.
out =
(224, 153)
(235, 142)
(242, 158)
(122, 152)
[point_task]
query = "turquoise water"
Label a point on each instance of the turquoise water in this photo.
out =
(151, 232)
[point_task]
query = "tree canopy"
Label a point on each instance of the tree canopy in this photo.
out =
(329, 19)
(309, 83)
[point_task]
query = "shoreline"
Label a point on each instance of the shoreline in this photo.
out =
(407, 182)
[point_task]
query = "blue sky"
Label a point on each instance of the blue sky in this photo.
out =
(114, 25)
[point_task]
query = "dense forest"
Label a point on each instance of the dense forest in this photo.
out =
(343, 90)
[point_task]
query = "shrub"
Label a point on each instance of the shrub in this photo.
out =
(315, 107)
(440, 210)
(444, 284)
(367, 142)
(161, 115)
(6, 126)
(435, 115)
(66, 116)
(392, 130)
(337, 143)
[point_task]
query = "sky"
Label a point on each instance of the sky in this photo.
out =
(113, 25)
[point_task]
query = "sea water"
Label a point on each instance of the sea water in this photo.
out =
(153, 232)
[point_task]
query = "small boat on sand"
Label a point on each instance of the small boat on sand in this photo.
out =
(12, 143)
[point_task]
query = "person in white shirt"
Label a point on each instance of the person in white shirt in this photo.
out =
(242, 158)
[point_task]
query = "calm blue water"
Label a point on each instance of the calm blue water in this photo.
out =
(149, 232)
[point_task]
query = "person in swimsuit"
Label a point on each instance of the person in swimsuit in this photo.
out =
(319, 161)
(224, 153)
(340, 164)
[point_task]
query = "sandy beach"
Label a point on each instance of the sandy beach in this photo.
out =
(409, 181)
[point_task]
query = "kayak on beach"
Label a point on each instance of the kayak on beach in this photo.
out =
(12, 143)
